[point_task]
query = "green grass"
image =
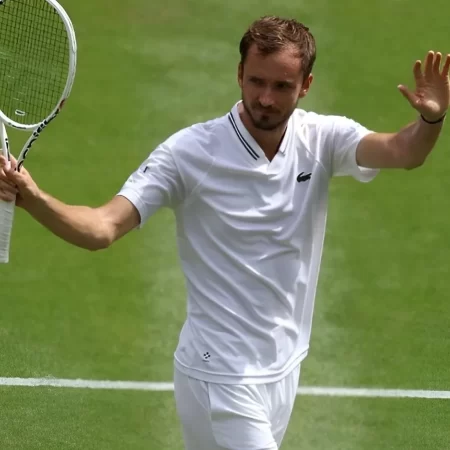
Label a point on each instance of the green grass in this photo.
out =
(146, 69)
(54, 419)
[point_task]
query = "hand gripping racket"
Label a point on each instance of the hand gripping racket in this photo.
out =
(37, 68)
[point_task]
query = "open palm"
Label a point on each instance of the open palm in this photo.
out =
(431, 97)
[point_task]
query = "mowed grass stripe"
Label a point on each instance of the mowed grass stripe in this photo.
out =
(167, 386)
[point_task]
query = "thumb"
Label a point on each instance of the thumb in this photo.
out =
(409, 95)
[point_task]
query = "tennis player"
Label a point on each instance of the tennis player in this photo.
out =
(249, 191)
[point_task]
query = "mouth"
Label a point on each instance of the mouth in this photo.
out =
(266, 112)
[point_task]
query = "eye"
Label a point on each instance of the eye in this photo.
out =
(283, 85)
(256, 81)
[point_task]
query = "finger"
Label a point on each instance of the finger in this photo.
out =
(7, 196)
(10, 156)
(437, 63)
(417, 70)
(15, 177)
(20, 179)
(8, 188)
(429, 63)
(4, 180)
(409, 95)
(4, 162)
(446, 67)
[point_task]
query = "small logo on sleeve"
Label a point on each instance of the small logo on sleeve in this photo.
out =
(206, 356)
(303, 177)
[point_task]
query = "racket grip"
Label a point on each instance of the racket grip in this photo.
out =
(6, 222)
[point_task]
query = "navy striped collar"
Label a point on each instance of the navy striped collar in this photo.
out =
(253, 153)
(247, 140)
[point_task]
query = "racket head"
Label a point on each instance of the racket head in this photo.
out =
(37, 61)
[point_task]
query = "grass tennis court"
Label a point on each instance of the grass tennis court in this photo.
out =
(146, 69)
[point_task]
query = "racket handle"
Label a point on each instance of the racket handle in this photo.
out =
(6, 222)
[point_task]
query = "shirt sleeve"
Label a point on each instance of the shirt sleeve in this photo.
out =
(155, 184)
(345, 137)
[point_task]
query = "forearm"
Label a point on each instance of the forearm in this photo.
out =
(79, 225)
(416, 141)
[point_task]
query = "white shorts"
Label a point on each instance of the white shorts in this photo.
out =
(234, 417)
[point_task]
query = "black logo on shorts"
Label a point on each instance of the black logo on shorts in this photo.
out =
(302, 177)
(206, 356)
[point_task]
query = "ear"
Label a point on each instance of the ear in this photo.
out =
(305, 86)
(240, 74)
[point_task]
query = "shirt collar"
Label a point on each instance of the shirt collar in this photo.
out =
(247, 139)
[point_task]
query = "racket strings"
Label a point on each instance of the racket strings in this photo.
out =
(34, 59)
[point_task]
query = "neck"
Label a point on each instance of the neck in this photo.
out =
(268, 140)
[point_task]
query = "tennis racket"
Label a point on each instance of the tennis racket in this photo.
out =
(37, 68)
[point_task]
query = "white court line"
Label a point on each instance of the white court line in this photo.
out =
(148, 386)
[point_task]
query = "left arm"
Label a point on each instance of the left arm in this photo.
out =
(409, 147)
(406, 149)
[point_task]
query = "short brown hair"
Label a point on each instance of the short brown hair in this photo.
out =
(272, 33)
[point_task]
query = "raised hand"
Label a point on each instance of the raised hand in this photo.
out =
(16, 186)
(431, 97)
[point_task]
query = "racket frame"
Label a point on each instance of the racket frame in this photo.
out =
(37, 128)
(7, 208)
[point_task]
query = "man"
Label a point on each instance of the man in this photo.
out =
(249, 191)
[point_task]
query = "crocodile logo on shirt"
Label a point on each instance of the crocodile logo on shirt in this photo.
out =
(303, 177)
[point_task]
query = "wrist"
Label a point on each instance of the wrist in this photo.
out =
(33, 200)
(433, 121)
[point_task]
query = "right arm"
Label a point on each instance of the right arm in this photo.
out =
(155, 184)
(85, 227)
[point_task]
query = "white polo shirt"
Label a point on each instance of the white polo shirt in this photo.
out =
(250, 235)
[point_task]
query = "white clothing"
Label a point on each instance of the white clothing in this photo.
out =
(234, 417)
(250, 235)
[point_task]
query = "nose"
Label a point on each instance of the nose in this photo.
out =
(266, 98)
